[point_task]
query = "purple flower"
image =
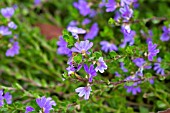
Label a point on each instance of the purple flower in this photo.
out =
(93, 32)
(151, 81)
(45, 103)
(139, 62)
(7, 12)
(122, 67)
(91, 71)
(157, 67)
(14, 50)
(152, 51)
(126, 12)
(108, 47)
(93, 13)
(75, 31)
(111, 6)
(86, 21)
(70, 70)
(4, 31)
(117, 74)
(135, 4)
(73, 23)
(133, 89)
(117, 16)
(12, 25)
(126, 2)
(166, 34)
(62, 49)
(29, 109)
(37, 2)
(82, 47)
(101, 65)
(84, 91)
(128, 37)
(1, 98)
(7, 97)
(83, 7)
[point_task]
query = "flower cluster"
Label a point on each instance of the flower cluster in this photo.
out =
(5, 31)
(80, 52)
(44, 103)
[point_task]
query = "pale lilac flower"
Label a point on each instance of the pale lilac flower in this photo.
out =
(101, 65)
(126, 2)
(166, 34)
(139, 62)
(75, 31)
(133, 89)
(158, 68)
(108, 47)
(12, 25)
(86, 21)
(126, 12)
(93, 32)
(139, 72)
(152, 51)
(111, 6)
(90, 71)
(122, 67)
(82, 47)
(7, 12)
(84, 91)
(45, 103)
(4, 31)
(14, 50)
(29, 109)
(63, 49)
(83, 7)
(126, 28)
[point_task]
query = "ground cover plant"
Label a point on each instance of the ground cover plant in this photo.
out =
(70, 56)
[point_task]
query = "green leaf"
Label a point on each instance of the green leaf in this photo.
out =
(112, 54)
(129, 50)
(143, 110)
(148, 75)
(160, 104)
(97, 54)
(78, 58)
(111, 21)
